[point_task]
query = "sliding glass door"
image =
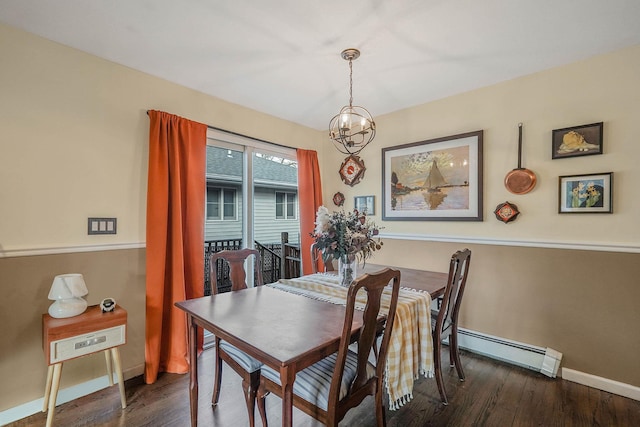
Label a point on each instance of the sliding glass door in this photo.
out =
(251, 201)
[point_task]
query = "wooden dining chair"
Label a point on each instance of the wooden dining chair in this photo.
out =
(327, 389)
(246, 366)
(316, 255)
(445, 319)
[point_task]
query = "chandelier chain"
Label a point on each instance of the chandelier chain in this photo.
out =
(350, 82)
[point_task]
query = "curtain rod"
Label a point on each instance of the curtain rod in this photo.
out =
(243, 135)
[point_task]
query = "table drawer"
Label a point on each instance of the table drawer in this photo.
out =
(80, 345)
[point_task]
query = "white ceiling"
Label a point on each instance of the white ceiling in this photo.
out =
(282, 57)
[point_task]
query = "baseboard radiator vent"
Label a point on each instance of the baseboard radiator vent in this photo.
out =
(539, 359)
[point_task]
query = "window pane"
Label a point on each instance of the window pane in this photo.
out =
(229, 196)
(275, 179)
(213, 203)
(291, 206)
(224, 174)
(280, 200)
(229, 211)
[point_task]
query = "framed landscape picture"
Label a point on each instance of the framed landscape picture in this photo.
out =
(577, 141)
(591, 193)
(435, 180)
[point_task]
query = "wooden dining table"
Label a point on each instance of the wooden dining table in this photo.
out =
(433, 282)
(285, 331)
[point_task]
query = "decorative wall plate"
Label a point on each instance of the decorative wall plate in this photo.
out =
(338, 199)
(506, 212)
(352, 170)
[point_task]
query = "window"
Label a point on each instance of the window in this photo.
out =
(285, 205)
(256, 170)
(221, 204)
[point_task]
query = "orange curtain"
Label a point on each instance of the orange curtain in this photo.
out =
(310, 191)
(175, 236)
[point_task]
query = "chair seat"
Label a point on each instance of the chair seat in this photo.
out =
(313, 383)
(247, 362)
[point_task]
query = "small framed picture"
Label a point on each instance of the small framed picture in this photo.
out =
(577, 141)
(366, 204)
(591, 193)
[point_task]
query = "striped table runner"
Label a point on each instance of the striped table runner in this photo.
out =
(410, 351)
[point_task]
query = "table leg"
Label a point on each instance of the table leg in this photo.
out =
(47, 388)
(57, 371)
(115, 353)
(109, 369)
(287, 378)
(193, 370)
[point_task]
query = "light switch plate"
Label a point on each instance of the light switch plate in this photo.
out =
(102, 226)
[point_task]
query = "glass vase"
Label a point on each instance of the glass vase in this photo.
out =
(346, 270)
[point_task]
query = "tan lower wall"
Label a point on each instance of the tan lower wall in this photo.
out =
(581, 303)
(25, 282)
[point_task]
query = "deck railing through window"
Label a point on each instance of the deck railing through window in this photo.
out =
(270, 254)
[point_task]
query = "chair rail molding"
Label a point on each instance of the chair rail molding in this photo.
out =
(12, 253)
(549, 244)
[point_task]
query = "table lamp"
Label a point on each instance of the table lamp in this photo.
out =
(67, 291)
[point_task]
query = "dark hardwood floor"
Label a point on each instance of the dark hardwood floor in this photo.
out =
(494, 394)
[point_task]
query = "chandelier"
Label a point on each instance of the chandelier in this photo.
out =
(353, 127)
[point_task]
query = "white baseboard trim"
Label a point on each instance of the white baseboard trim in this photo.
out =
(65, 395)
(604, 384)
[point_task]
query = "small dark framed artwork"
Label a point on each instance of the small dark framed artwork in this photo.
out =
(577, 141)
(591, 193)
(366, 204)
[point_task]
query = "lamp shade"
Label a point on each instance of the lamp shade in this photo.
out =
(67, 291)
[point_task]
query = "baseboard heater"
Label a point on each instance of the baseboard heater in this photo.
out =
(539, 359)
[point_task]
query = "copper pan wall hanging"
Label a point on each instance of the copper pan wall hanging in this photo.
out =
(520, 180)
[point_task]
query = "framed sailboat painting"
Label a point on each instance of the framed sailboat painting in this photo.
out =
(435, 180)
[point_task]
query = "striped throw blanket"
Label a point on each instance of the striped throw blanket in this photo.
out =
(410, 351)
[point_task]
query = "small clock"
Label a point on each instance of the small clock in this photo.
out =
(108, 304)
(352, 170)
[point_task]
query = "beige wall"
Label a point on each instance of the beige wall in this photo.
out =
(73, 138)
(602, 89)
(74, 141)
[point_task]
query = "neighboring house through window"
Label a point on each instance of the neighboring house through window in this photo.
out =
(252, 191)
(285, 205)
(221, 203)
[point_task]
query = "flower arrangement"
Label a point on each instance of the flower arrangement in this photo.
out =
(345, 236)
